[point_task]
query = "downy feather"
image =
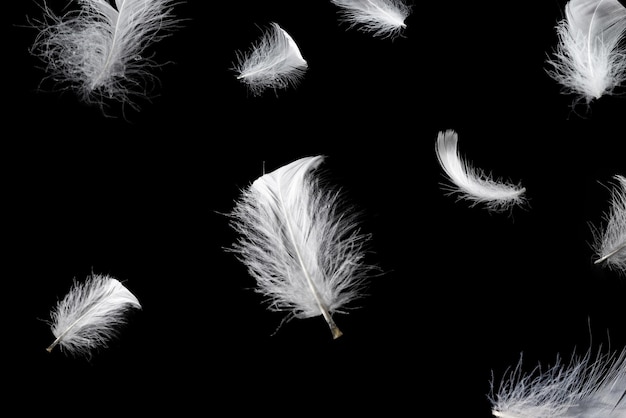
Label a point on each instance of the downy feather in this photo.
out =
(301, 242)
(381, 18)
(610, 245)
(471, 183)
(274, 62)
(585, 388)
(89, 314)
(590, 59)
(100, 50)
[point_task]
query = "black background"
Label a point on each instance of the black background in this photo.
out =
(142, 197)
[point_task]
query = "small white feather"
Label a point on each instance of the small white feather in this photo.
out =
(89, 314)
(590, 58)
(100, 50)
(586, 388)
(274, 62)
(381, 18)
(471, 183)
(301, 242)
(610, 245)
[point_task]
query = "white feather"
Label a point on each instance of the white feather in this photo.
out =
(471, 183)
(100, 50)
(610, 245)
(586, 388)
(381, 18)
(274, 62)
(301, 242)
(590, 59)
(89, 314)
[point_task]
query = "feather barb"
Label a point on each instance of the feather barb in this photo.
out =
(334, 329)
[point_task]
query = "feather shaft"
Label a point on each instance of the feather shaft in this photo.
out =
(620, 400)
(68, 329)
(610, 254)
(114, 16)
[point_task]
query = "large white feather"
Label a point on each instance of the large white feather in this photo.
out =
(382, 18)
(610, 245)
(590, 59)
(301, 242)
(471, 183)
(89, 314)
(100, 50)
(586, 388)
(274, 62)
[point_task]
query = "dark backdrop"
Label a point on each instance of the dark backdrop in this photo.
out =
(142, 197)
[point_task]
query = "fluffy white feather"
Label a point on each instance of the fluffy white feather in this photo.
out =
(89, 314)
(274, 62)
(100, 50)
(610, 245)
(586, 388)
(381, 18)
(590, 59)
(301, 242)
(471, 183)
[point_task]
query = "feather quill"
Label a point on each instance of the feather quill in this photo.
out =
(585, 388)
(590, 59)
(381, 18)
(99, 50)
(89, 314)
(274, 62)
(301, 242)
(610, 245)
(471, 183)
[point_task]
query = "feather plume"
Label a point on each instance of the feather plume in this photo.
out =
(586, 388)
(301, 242)
(610, 245)
(274, 62)
(100, 50)
(381, 18)
(590, 59)
(471, 183)
(89, 314)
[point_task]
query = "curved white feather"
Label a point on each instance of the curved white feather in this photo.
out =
(610, 245)
(590, 60)
(382, 18)
(585, 388)
(471, 183)
(300, 242)
(89, 314)
(99, 50)
(274, 62)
